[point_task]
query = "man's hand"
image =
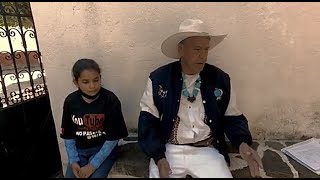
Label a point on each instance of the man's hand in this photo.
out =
(253, 159)
(76, 169)
(164, 168)
(87, 170)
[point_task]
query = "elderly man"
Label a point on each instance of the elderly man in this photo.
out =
(188, 107)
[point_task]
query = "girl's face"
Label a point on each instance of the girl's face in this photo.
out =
(89, 82)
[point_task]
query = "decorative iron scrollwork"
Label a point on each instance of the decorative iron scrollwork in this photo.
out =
(21, 71)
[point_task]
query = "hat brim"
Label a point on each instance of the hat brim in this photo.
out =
(169, 46)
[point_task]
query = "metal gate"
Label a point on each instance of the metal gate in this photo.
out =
(28, 140)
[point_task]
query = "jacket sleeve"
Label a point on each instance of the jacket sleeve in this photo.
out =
(236, 124)
(149, 126)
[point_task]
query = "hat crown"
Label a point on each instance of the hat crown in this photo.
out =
(193, 25)
(188, 28)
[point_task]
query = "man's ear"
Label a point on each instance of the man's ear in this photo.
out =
(180, 49)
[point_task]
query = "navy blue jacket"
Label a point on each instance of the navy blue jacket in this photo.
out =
(154, 133)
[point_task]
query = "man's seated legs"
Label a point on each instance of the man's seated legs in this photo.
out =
(199, 162)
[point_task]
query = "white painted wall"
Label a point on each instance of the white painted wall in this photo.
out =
(272, 53)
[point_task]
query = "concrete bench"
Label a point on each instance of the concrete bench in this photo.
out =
(134, 163)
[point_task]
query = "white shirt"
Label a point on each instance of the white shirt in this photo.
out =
(191, 127)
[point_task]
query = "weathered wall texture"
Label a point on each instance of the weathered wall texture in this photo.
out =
(272, 53)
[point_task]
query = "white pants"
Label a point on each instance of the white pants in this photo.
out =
(198, 162)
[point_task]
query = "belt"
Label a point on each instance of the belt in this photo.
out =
(204, 143)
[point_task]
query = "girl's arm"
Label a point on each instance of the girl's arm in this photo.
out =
(72, 152)
(103, 153)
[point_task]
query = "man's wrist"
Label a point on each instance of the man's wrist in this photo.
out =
(160, 161)
(158, 157)
(242, 144)
(241, 140)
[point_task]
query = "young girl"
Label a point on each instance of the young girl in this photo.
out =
(92, 124)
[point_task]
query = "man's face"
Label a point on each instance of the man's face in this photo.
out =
(194, 53)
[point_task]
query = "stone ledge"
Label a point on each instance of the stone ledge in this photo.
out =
(134, 163)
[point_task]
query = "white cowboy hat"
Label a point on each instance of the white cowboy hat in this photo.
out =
(188, 28)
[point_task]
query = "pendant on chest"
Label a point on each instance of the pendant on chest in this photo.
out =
(191, 99)
(195, 90)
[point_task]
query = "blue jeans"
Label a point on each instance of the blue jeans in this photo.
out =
(85, 155)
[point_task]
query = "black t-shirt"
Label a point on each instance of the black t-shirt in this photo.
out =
(91, 124)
